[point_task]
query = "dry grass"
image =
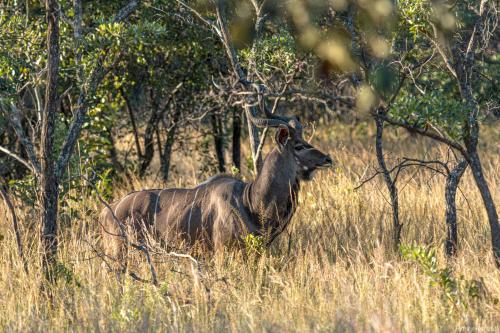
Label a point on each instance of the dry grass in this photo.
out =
(332, 270)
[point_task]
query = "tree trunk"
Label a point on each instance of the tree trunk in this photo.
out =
(156, 114)
(113, 154)
(391, 186)
(49, 197)
(452, 181)
(167, 148)
(218, 141)
(49, 191)
(148, 142)
(236, 144)
(158, 142)
(482, 185)
(254, 136)
(130, 110)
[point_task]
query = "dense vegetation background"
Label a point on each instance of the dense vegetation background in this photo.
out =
(99, 98)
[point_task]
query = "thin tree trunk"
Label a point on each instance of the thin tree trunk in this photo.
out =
(49, 191)
(253, 131)
(49, 200)
(452, 181)
(134, 125)
(113, 155)
(471, 139)
(158, 141)
(15, 227)
(254, 134)
(148, 137)
(167, 148)
(236, 140)
(391, 186)
(156, 115)
(489, 204)
(218, 142)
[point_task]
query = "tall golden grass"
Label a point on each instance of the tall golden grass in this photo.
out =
(332, 270)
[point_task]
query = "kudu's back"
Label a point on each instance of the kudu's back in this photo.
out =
(212, 214)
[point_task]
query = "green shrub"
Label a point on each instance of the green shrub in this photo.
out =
(458, 291)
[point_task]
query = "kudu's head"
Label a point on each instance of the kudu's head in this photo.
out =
(289, 140)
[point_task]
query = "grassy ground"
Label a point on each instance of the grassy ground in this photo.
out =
(332, 270)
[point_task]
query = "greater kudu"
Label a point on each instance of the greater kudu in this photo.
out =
(223, 209)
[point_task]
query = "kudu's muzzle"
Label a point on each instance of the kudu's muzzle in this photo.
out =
(327, 162)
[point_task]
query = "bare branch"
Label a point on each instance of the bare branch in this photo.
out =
(124, 235)
(407, 162)
(82, 107)
(477, 30)
(210, 24)
(15, 120)
(425, 132)
(442, 52)
(18, 158)
(99, 254)
(226, 41)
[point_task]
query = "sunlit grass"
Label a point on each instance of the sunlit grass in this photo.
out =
(333, 270)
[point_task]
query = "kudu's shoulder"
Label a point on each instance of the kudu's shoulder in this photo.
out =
(223, 187)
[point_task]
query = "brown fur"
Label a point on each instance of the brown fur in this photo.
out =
(221, 210)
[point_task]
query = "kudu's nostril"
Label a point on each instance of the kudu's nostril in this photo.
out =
(328, 161)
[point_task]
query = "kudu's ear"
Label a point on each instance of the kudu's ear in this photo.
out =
(282, 136)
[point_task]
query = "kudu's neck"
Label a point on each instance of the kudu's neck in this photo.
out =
(273, 194)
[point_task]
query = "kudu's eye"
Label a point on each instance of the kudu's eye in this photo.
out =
(299, 147)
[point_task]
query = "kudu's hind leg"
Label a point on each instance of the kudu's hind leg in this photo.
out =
(116, 252)
(114, 245)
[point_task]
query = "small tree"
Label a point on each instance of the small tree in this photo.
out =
(47, 165)
(460, 35)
